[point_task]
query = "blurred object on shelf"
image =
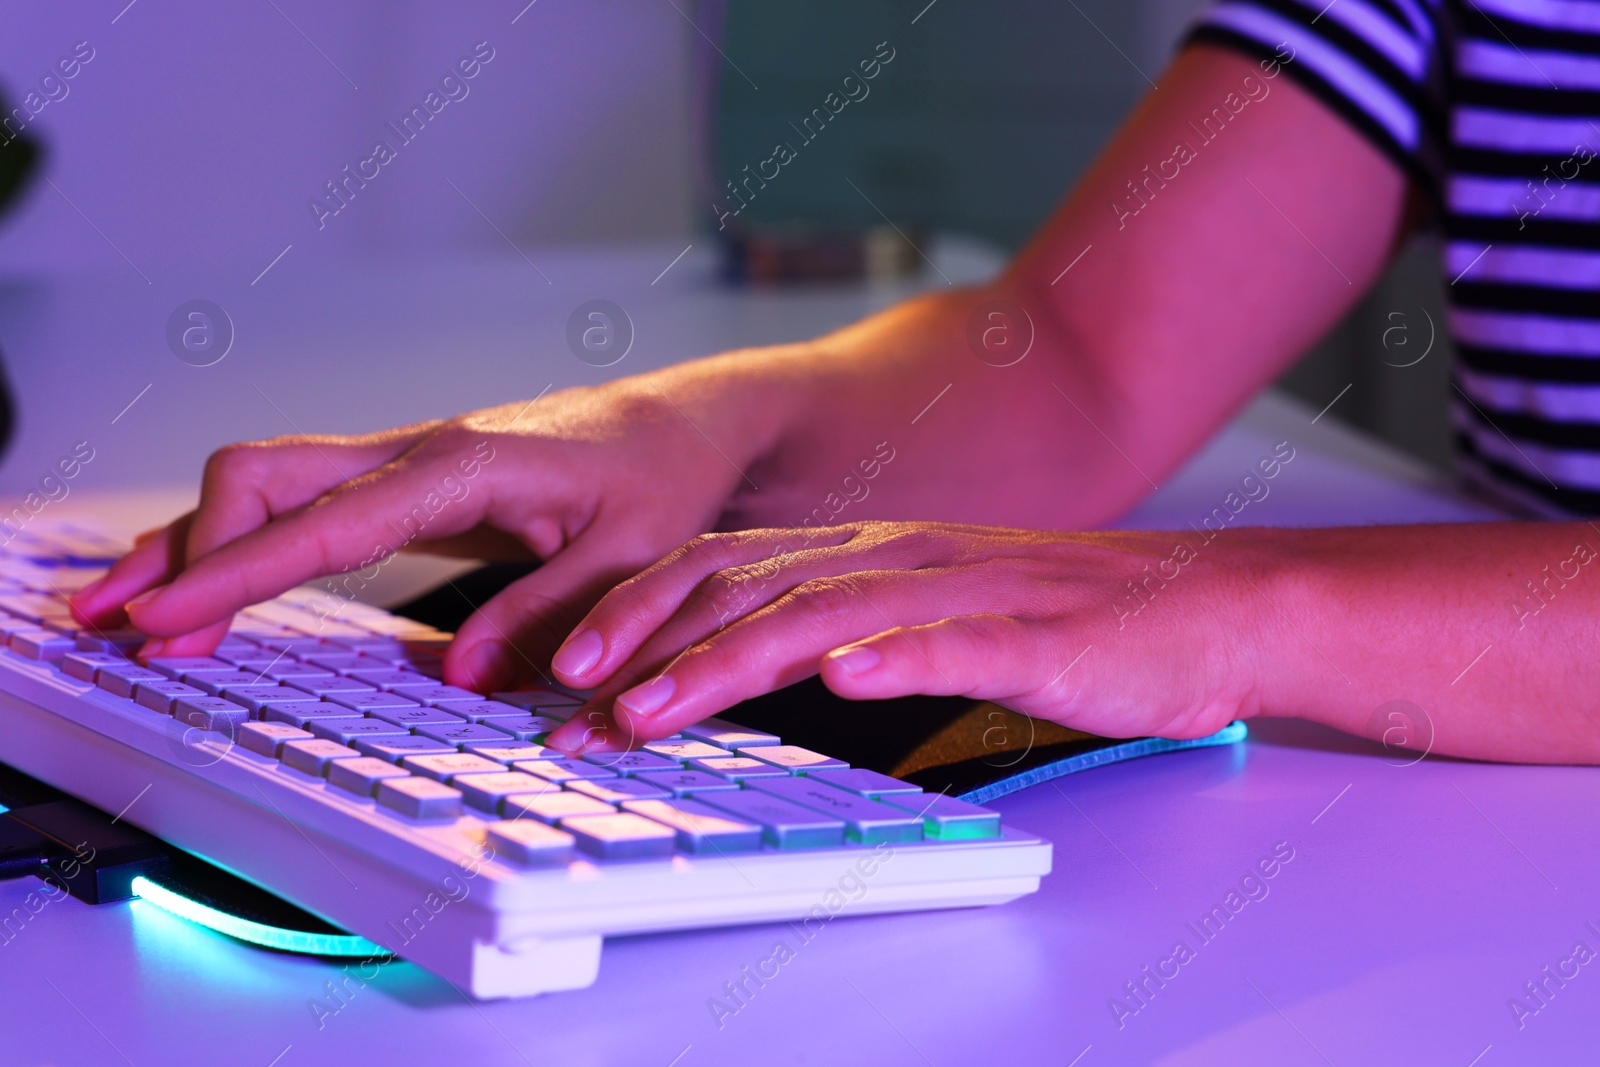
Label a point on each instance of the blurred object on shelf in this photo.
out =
(784, 254)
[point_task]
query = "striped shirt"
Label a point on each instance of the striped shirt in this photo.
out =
(1493, 108)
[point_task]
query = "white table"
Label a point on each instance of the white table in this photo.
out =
(1418, 901)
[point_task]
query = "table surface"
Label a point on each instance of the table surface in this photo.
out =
(1417, 902)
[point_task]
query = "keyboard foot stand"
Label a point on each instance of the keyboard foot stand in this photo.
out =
(534, 965)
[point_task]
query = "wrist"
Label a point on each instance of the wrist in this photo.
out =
(1288, 589)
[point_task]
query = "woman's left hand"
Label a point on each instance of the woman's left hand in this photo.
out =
(1121, 634)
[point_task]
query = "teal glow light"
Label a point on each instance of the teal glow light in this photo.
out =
(251, 931)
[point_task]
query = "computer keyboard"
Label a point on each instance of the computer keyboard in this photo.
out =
(317, 754)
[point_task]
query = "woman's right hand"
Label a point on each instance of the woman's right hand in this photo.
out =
(597, 482)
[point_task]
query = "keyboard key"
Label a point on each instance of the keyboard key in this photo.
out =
(528, 842)
(82, 665)
(700, 828)
(947, 818)
(537, 698)
(379, 656)
(562, 770)
(268, 737)
(737, 768)
(552, 807)
(486, 791)
(294, 646)
(43, 645)
(369, 701)
(784, 825)
(684, 750)
(509, 751)
(176, 667)
(361, 776)
(442, 696)
(524, 727)
(442, 768)
(122, 642)
(30, 606)
(616, 790)
(260, 697)
(231, 644)
(862, 782)
(797, 759)
(381, 676)
(728, 735)
(867, 822)
(380, 648)
(287, 669)
(159, 696)
(345, 731)
(462, 732)
(328, 685)
(487, 709)
(342, 663)
(313, 757)
(621, 836)
(630, 763)
(255, 665)
(681, 783)
(242, 653)
(427, 666)
(210, 713)
(119, 681)
(214, 682)
(416, 715)
(420, 798)
(395, 749)
(302, 714)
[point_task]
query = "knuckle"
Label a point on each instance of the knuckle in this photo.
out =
(917, 541)
(723, 594)
(713, 548)
(452, 436)
(964, 629)
(231, 463)
(830, 597)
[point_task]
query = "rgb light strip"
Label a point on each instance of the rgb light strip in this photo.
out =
(249, 930)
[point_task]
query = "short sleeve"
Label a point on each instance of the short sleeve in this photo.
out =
(1377, 63)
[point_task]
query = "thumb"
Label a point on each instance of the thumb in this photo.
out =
(510, 638)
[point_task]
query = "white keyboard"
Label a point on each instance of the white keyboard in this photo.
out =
(320, 757)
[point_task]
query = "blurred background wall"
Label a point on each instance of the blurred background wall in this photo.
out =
(199, 134)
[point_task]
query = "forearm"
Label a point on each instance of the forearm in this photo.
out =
(1489, 629)
(1142, 332)
(895, 417)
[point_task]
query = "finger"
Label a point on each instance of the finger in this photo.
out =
(510, 638)
(355, 525)
(776, 646)
(201, 642)
(986, 657)
(711, 581)
(155, 560)
(593, 731)
(246, 486)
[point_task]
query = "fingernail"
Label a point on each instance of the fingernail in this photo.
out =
(485, 664)
(647, 699)
(854, 661)
(579, 655)
(145, 597)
